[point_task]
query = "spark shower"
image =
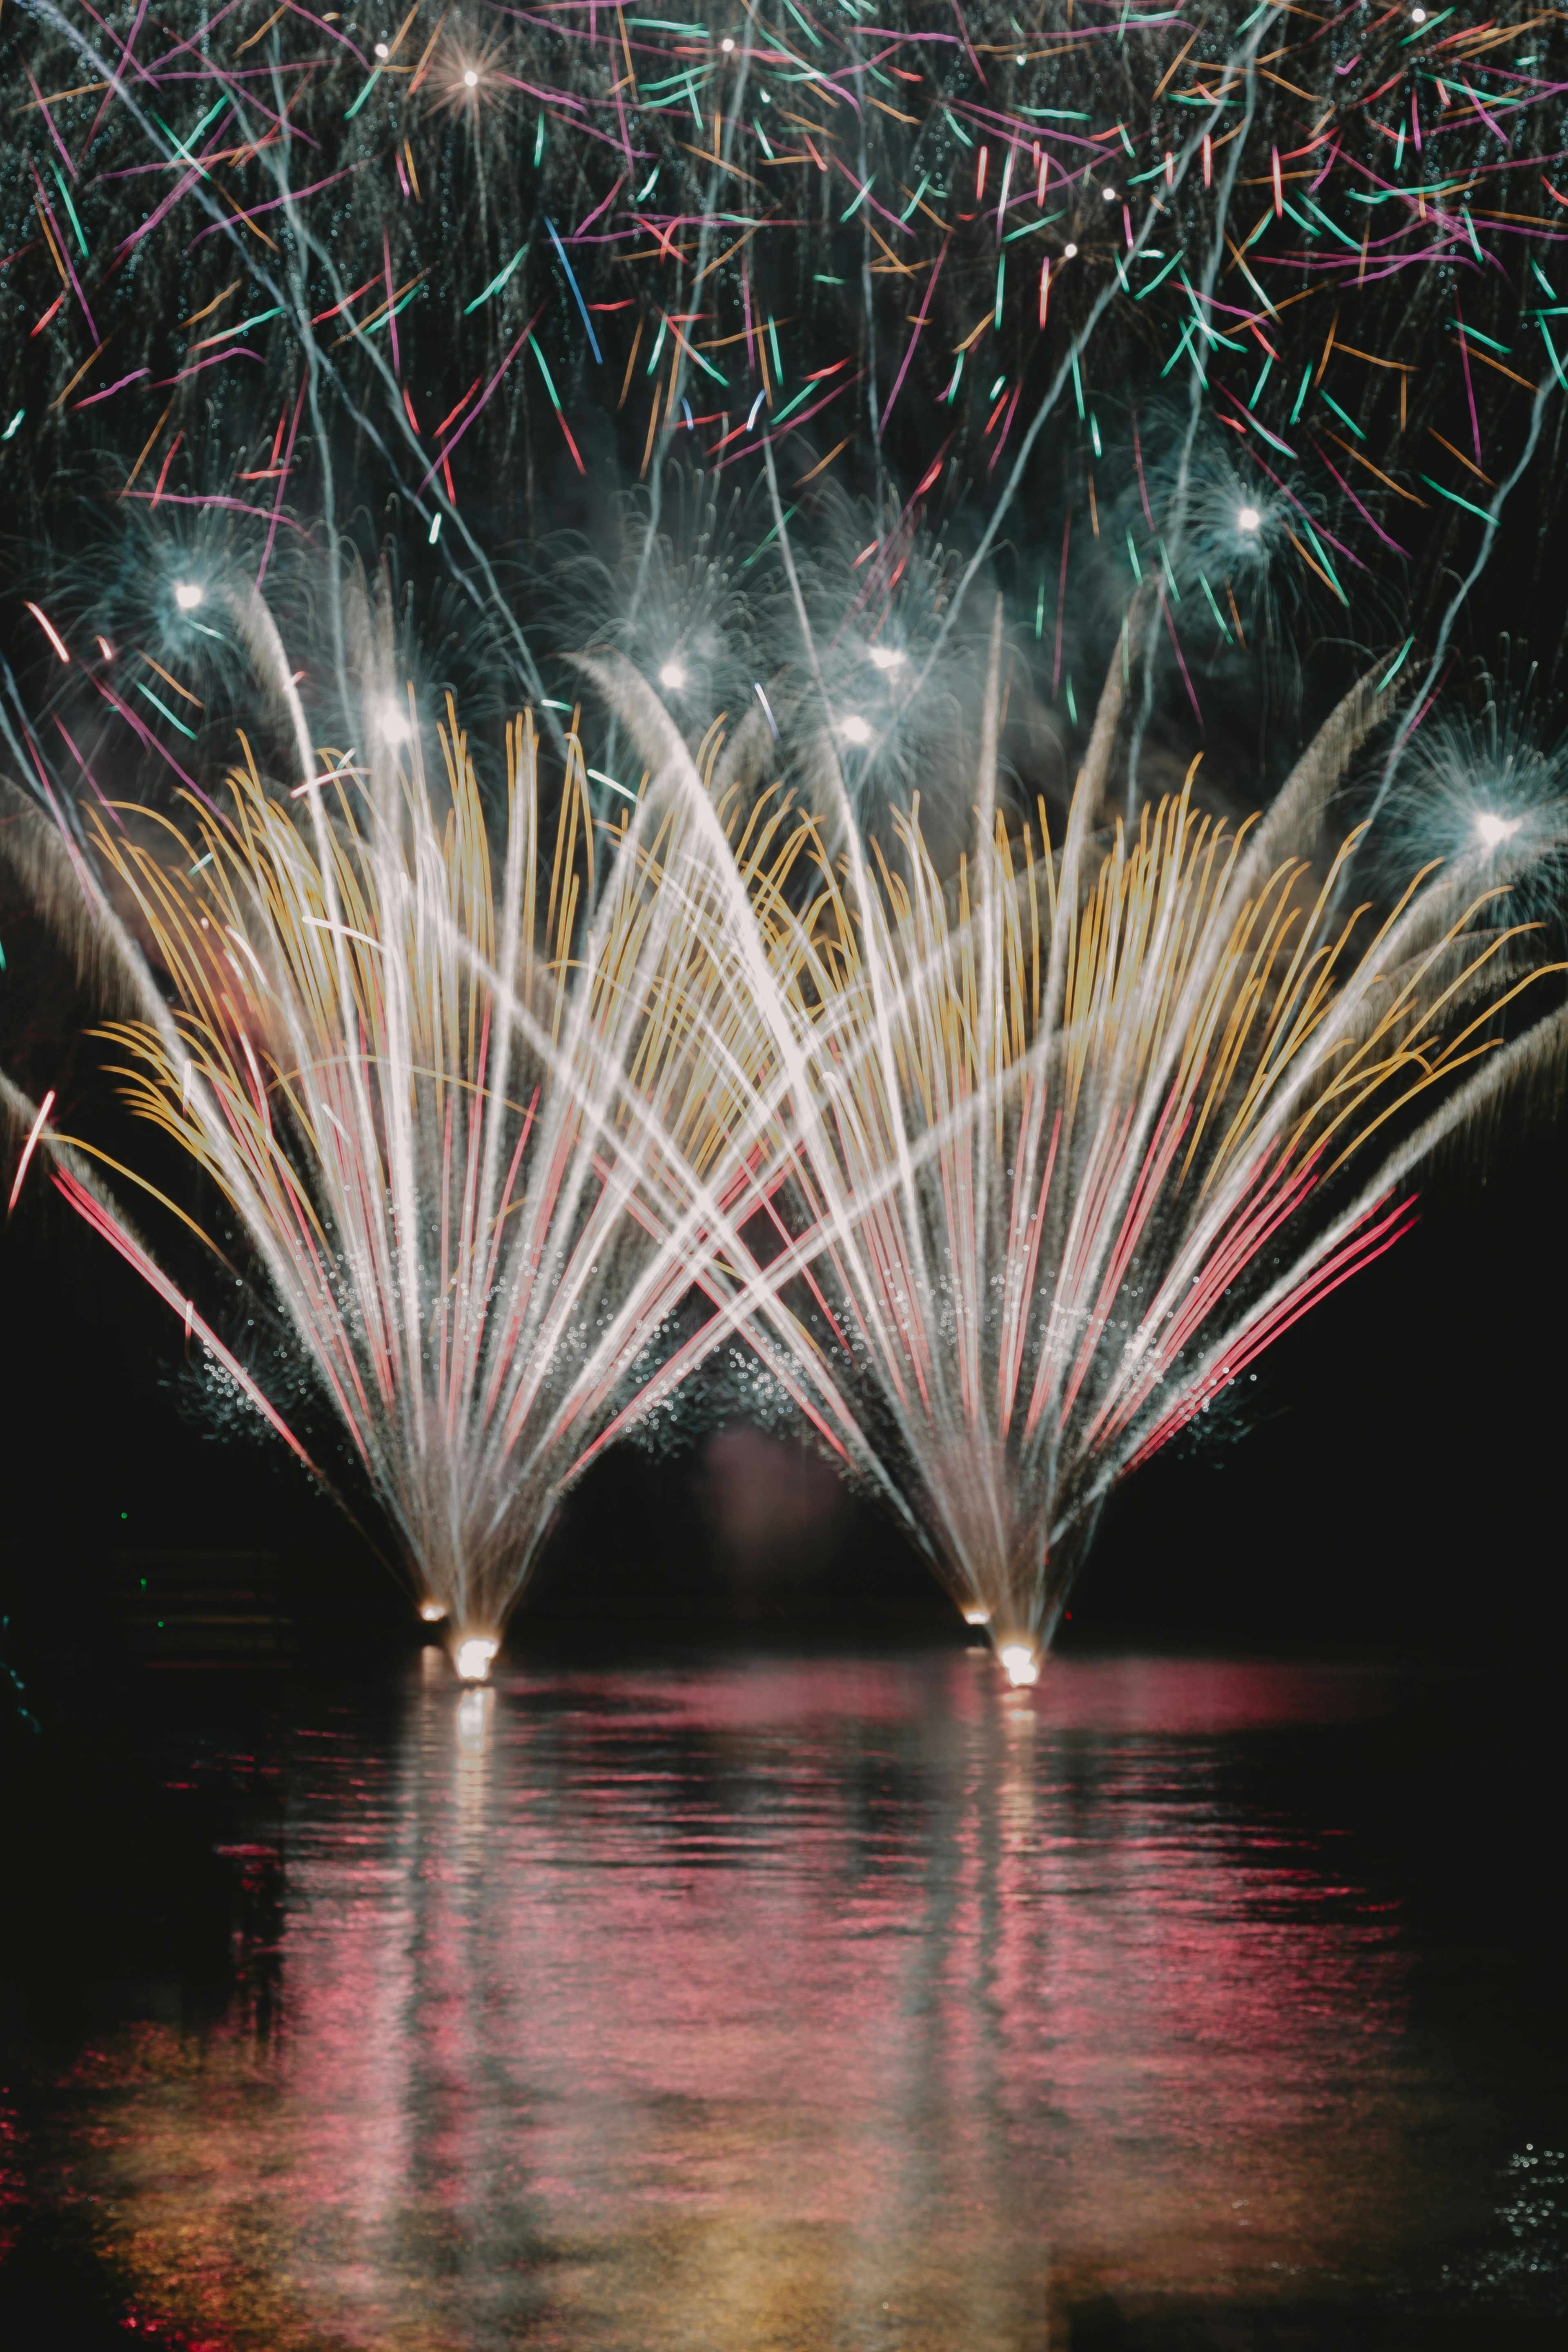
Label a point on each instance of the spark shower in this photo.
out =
(696, 474)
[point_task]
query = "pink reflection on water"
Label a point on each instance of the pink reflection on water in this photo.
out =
(729, 2006)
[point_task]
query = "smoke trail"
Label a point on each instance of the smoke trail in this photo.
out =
(1457, 601)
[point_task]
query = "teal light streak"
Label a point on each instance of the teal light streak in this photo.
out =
(1214, 608)
(497, 282)
(189, 732)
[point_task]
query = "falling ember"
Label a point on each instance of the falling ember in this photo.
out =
(49, 631)
(29, 1147)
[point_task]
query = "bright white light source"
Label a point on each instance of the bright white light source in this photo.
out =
(1495, 829)
(1110, 195)
(854, 728)
(187, 595)
(392, 722)
(382, 50)
(672, 676)
(470, 79)
(1419, 15)
(432, 1611)
(977, 1615)
(1020, 1665)
(1247, 518)
(887, 657)
(727, 46)
(1020, 59)
(474, 1655)
(1069, 253)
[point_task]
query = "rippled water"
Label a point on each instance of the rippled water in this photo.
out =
(769, 2002)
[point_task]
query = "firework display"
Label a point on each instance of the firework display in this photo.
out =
(769, 425)
(1069, 1138)
(479, 1140)
(1205, 296)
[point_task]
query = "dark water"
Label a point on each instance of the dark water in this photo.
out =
(762, 2002)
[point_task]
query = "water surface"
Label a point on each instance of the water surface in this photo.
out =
(766, 2003)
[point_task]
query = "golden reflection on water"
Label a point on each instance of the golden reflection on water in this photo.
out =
(779, 2005)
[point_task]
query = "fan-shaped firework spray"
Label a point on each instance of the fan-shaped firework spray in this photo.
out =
(476, 1109)
(1075, 1141)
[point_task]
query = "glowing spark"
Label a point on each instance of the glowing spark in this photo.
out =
(727, 47)
(1495, 829)
(672, 676)
(886, 657)
(854, 728)
(311, 782)
(382, 50)
(1069, 253)
(1019, 1665)
(188, 595)
(433, 1611)
(474, 1657)
(977, 1616)
(50, 631)
(1247, 519)
(29, 1147)
(470, 79)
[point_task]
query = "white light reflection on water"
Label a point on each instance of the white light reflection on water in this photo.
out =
(786, 2003)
